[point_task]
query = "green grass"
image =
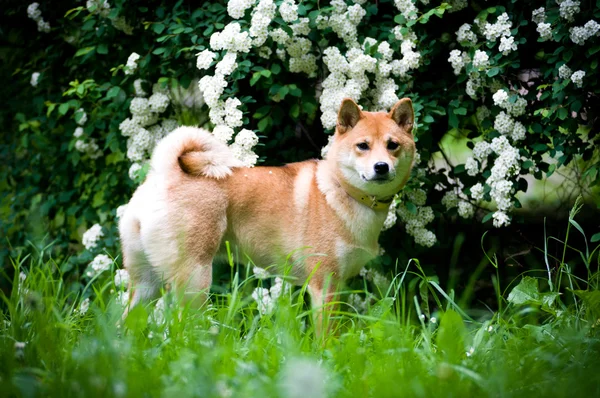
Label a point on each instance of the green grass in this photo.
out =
(48, 347)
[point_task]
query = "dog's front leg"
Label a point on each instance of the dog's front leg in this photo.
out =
(322, 292)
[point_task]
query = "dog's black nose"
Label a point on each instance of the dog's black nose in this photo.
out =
(381, 168)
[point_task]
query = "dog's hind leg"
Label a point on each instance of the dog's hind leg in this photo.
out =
(144, 281)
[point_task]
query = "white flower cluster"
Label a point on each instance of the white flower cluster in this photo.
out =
(344, 20)
(92, 236)
(237, 8)
(501, 28)
(481, 60)
(99, 264)
(457, 5)
(564, 72)
(122, 278)
(132, 65)
(538, 17)
(288, 10)
(35, 79)
(89, 146)
(458, 60)
(506, 165)
(407, 8)
(465, 36)
(577, 78)
(262, 15)
(33, 12)
(507, 45)
(516, 108)
(580, 34)
(143, 128)
(266, 299)
(568, 9)
(415, 223)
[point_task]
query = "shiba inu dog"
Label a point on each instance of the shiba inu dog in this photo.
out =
(320, 213)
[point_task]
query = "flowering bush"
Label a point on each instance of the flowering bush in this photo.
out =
(517, 81)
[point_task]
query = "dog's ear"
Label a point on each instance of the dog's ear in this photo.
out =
(402, 113)
(348, 115)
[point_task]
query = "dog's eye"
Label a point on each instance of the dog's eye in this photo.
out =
(392, 146)
(363, 146)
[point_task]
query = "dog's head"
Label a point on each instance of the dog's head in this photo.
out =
(374, 151)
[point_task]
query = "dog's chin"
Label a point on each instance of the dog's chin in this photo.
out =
(377, 180)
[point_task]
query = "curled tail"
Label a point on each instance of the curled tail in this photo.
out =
(194, 151)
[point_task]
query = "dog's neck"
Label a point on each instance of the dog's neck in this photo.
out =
(360, 218)
(374, 202)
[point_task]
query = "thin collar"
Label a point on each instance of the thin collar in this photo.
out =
(371, 201)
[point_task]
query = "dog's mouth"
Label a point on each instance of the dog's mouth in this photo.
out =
(377, 180)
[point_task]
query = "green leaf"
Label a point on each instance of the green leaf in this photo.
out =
(158, 28)
(159, 50)
(255, 78)
(102, 49)
(562, 113)
(493, 72)
(451, 336)
(460, 111)
(295, 111)
(595, 238)
(63, 108)
(264, 123)
(113, 92)
(526, 292)
(83, 51)
(487, 218)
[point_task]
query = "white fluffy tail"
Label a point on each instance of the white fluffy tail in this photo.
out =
(196, 152)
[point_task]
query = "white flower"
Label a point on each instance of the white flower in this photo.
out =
(518, 132)
(246, 139)
(477, 191)
(482, 113)
(504, 123)
(100, 263)
(417, 196)
(500, 98)
(35, 77)
(134, 170)
(237, 8)
(545, 31)
(91, 236)
(139, 90)
(231, 38)
(139, 106)
(131, 65)
(568, 9)
(288, 11)
(577, 78)
(223, 133)
(391, 218)
(500, 219)
(205, 58)
(458, 60)
(158, 102)
(33, 11)
(121, 278)
(122, 298)
(472, 167)
(470, 352)
(465, 209)
(227, 64)
(501, 28)
(450, 200)
(564, 72)
(507, 45)
(538, 15)
(481, 60)
(83, 117)
(84, 306)
(263, 299)
(78, 132)
(261, 273)
(466, 36)
(169, 125)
